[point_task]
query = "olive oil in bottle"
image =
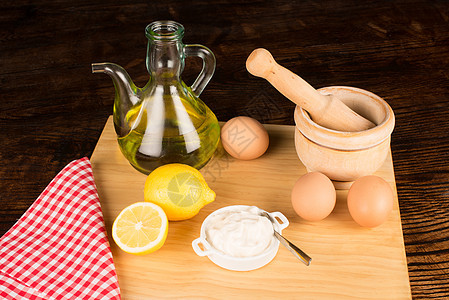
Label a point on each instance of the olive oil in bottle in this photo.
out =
(191, 140)
(165, 121)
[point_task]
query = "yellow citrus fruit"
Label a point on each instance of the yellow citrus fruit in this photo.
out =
(140, 228)
(179, 189)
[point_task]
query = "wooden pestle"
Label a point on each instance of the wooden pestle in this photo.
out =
(325, 110)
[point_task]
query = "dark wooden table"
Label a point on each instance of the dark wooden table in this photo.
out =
(52, 109)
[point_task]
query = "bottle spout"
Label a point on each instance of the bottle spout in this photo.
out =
(124, 87)
(118, 74)
(99, 67)
(126, 93)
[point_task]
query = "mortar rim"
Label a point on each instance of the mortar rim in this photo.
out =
(342, 140)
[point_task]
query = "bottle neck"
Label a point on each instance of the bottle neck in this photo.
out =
(165, 59)
(165, 52)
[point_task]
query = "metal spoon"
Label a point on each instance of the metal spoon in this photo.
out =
(293, 249)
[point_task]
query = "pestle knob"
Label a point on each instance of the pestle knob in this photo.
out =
(325, 110)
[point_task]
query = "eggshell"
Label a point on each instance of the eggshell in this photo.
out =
(313, 196)
(244, 138)
(370, 201)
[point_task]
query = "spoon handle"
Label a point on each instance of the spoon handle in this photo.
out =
(293, 249)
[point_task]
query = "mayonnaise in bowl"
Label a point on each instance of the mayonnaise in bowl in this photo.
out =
(237, 238)
(240, 233)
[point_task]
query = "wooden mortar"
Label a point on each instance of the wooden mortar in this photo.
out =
(345, 156)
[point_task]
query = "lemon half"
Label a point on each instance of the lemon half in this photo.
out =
(140, 228)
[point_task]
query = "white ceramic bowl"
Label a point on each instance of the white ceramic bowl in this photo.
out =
(202, 247)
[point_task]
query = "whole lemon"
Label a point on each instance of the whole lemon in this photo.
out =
(179, 189)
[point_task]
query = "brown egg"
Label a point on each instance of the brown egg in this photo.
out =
(313, 196)
(370, 201)
(244, 138)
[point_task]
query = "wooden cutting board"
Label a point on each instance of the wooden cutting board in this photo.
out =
(348, 261)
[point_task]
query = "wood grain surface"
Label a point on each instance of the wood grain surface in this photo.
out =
(52, 109)
(348, 261)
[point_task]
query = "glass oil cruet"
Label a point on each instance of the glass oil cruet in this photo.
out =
(165, 121)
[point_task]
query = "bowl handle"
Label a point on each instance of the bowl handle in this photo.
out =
(198, 250)
(281, 217)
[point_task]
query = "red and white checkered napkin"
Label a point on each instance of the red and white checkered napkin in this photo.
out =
(58, 249)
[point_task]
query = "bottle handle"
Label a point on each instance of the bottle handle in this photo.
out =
(208, 66)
